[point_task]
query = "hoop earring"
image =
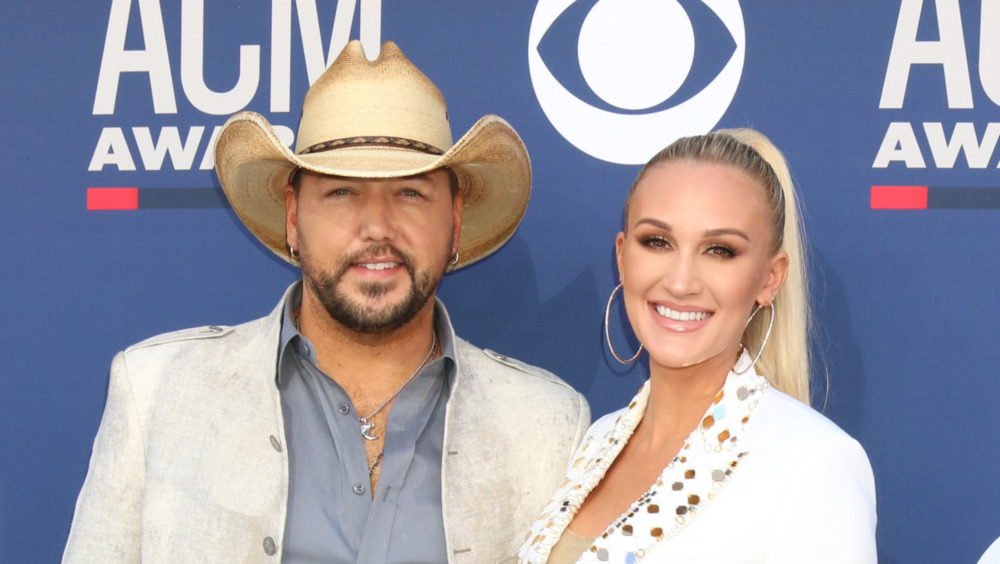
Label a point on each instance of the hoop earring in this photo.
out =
(454, 260)
(292, 253)
(607, 332)
(767, 334)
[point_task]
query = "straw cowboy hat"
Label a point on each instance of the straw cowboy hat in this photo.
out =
(376, 119)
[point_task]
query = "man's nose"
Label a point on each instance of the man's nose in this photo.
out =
(377, 218)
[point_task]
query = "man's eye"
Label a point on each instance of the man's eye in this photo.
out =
(410, 193)
(337, 192)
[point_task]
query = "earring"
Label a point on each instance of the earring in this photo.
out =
(607, 332)
(454, 259)
(767, 334)
(292, 253)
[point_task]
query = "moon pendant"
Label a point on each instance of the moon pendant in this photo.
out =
(366, 430)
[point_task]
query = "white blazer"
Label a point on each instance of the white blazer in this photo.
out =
(189, 463)
(763, 478)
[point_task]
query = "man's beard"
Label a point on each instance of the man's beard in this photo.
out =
(363, 318)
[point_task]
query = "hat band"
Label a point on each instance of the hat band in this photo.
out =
(382, 141)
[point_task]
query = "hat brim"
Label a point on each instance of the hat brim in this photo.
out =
(490, 162)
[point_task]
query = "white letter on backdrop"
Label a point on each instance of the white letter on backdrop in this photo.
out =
(152, 60)
(111, 150)
(949, 52)
(281, 54)
(989, 49)
(312, 40)
(963, 139)
(899, 144)
(208, 159)
(181, 154)
(192, 66)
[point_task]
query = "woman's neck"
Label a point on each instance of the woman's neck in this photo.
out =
(679, 397)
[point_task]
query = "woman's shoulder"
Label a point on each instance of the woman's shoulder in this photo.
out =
(778, 407)
(782, 424)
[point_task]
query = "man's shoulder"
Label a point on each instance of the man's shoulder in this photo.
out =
(484, 362)
(212, 336)
(207, 336)
(501, 395)
(199, 358)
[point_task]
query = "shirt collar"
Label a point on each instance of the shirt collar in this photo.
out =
(292, 340)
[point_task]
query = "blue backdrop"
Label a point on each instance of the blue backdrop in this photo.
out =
(865, 98)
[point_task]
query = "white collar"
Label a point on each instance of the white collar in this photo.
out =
(705, 464)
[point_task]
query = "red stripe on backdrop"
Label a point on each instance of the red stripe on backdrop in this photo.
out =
(112, 198)
(899, 198)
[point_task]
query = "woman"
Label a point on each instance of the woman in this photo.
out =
(719, 457)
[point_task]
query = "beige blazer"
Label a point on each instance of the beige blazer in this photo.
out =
(763, 478)
(189, 463)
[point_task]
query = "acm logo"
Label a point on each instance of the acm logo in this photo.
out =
(153, 61)
(171, 147)
(638, 60)
(944, 50)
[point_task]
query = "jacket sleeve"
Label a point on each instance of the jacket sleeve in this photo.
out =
(826, 512)
(582, 426)
(107, 524)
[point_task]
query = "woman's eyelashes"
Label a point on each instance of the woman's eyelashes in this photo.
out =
(721, 250)
(715, 249)
(655, 242)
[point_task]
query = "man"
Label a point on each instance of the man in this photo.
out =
(351, 424)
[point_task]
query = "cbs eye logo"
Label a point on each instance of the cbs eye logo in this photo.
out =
(630, 78)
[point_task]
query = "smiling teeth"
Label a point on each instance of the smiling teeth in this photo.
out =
(379, 265)
(681, 315)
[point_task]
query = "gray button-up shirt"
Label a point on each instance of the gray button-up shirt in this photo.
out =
(332, 516)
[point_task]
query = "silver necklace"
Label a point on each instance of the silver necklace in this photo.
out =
(367, 427)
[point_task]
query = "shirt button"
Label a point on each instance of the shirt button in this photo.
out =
(275, 443)
(344, 409)
(269, 547)
(359, 489)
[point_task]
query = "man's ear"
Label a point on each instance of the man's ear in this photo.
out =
(291, 216)
(457, 223)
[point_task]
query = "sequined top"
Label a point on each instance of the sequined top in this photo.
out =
(569, 547)
(762, 478)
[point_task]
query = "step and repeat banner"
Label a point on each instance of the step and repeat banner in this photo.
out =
(113, 227)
